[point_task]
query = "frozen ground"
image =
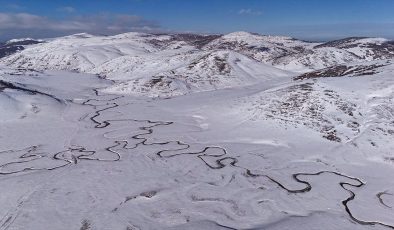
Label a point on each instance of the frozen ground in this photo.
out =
(274, 151)
(82, 159)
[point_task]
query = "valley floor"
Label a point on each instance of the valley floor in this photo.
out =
(75, 157)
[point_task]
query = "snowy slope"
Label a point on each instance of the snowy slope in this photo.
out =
(278, 154)
(295, 55)
(197, 132)
(155, 65)
(338, 102)
(365, 48)
(211, 71)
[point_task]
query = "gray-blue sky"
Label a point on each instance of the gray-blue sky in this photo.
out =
(305, 19)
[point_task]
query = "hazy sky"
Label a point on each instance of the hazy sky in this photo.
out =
(305, 19)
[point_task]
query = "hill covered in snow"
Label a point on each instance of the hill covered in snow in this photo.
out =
(186, 131)
(177, 64)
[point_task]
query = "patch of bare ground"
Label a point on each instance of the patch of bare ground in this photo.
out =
(342, 70)
(86, 225)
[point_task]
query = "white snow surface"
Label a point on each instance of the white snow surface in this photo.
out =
(152, 65)
(184, 137)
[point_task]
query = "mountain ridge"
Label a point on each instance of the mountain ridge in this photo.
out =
(142, 57)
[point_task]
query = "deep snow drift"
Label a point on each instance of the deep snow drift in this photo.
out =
(239, 131)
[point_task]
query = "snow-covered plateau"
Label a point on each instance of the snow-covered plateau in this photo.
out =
(184, 131)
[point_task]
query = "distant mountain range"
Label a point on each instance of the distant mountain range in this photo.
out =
(177, 64)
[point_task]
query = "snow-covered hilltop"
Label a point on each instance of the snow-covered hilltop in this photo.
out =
(168, 65)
